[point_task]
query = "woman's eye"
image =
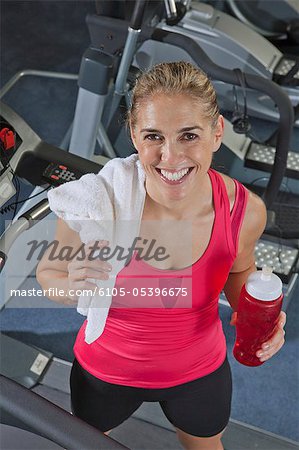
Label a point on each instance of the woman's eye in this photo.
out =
(152, 137)
(189, 136)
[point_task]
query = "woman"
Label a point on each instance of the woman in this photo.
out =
(176, 356)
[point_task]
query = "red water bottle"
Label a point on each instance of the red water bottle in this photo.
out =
(259, 306)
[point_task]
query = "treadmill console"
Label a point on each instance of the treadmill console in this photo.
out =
(25, 155)
(57, 174)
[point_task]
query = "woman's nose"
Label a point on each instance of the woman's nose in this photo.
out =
(171, 153)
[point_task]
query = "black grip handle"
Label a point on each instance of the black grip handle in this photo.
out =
(37, 212)
(138, 13)
(273, 138)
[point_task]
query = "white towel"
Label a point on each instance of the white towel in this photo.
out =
(107, 206)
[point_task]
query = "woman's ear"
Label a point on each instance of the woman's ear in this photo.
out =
(218, 133)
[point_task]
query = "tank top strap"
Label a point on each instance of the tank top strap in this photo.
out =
(238, 211)
(233, 220)
(220, 198)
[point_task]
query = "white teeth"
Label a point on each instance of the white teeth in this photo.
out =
(174, 176)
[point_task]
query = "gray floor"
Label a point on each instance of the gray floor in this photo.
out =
(138, 435)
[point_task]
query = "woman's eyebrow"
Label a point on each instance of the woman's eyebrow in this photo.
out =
(195, 127)
(154, 130)
(150, 130)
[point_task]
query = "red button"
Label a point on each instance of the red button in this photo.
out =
(62, 167)
(8, 138)
(54, 177)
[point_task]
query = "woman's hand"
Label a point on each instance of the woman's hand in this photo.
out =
(79, 270)
(274, 344)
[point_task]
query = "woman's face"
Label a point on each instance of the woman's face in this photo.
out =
(175, 143)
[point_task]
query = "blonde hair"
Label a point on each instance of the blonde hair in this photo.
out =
(174, 78)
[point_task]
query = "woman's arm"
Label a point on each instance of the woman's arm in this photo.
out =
(54, 273)
(252, 228)
(76, 264)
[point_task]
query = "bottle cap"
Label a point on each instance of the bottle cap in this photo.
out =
(264, 285)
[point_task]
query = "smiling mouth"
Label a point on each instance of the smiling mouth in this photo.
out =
(174, 177)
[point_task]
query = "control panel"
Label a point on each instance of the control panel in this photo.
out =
(24, 156)
(57, 174)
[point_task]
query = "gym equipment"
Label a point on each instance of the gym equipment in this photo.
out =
(108, 36)
(277, 20)
(158, 45)
(22, 409)
(231, 44)
(29, 151)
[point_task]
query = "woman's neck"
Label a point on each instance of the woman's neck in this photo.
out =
(189, 207)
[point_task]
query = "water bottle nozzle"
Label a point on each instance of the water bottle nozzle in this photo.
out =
(266, 273)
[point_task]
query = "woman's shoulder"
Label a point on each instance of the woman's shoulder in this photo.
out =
(255, 208)
(230, 188)
(255, 216)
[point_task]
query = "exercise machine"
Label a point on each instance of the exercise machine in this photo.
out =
(149, 45)
(277, 20)
(30, 420)
(231, 44)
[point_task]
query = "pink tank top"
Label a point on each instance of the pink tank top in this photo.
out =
(172, 340)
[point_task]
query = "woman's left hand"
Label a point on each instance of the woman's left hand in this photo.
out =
(274, 344)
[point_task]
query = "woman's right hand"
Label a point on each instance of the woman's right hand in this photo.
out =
(91, 267)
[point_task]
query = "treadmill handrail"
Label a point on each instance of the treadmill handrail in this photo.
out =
(138, 14)
(261, 84)
(50, 421)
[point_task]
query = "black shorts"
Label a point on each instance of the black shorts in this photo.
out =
(200, 407)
